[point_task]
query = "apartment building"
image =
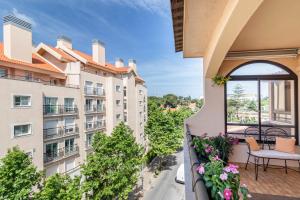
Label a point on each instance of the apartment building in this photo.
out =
(54, 99)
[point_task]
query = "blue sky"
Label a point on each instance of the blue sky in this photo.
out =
(138, 29)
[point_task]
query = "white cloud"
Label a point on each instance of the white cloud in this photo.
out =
(24, 17)
(156, 6)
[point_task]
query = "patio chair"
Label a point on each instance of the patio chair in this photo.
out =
(250, 131)
(260, 153)
(270, 135)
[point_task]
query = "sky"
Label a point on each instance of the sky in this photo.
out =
(131, 29)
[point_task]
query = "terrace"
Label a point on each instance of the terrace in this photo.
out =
(251, 62)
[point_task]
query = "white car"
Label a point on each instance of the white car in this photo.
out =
(180, 174)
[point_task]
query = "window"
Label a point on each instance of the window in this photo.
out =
(99, 89)
(50, 105)
(141, 103)
(88, 87)
(140, 92)
(51, 128)
(69, 145)
(89, 105)
(89, 139)
(69, 104)
(118, 102)
(125, 105)
(124, 91)
(28, 76)
(125, 117)
(20, 130)
(22, 101)
(69, 125)
(51, 151)
(118, 88)
(89, 122)
(3, 73)
(100, 105)
(261, 95)
(118, 116)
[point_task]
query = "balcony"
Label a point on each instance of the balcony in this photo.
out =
(60, 132)
(94, 91)
(36, 80)
(94, 108)
(96, 125)
(53, 110)
(60, 154)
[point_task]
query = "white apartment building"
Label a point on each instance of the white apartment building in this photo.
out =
(54, 99)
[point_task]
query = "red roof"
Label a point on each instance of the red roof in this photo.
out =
(37, 62)
(63, 54)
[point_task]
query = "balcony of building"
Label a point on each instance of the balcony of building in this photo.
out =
(94, 91)
(94, 108)
(60, 132)
(95, 125)
(59, 154)
(56, 110)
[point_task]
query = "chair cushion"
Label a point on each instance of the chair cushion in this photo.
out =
(252, 143)
(285, 145)
(276, 154)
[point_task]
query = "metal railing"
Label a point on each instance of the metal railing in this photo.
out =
(94, 108)
(59, 132)
(59, 109)
(61, 153)
(194, 184)
(94, 125)
(94, 91)
(36, 80)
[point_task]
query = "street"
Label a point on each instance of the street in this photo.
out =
(164, 186)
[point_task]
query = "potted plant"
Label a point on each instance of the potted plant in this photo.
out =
(220, 80)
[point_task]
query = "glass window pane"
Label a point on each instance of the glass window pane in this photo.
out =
(242, 104)
(259, 69)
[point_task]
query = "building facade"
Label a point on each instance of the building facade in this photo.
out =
(54, 99)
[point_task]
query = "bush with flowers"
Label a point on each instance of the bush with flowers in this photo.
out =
(221, 179)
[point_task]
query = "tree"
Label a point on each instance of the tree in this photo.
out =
(17, 175)
(237, 101)
(60, 187)
(111, 171)
(164, 136)
(170, 100)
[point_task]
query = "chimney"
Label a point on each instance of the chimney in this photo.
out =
(98, 49)
(64, 41)
(119, 62)
(17, 39)
(132, 64)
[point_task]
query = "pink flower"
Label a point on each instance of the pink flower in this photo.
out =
(200, 169)
(223, 176)
(231, 168)
(227, 193)
(208, 149)
(216, 158)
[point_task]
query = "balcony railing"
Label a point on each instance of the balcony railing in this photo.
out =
(36, 80)
(59, 132)
(94, 125)
(93, 91)
(94, 108)
(61, 153)
(59, 110)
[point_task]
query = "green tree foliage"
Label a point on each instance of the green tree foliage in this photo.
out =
(112, 169)
(237, 101)
(60, 187)
(170, 100)
(17, 175)
(164, 136)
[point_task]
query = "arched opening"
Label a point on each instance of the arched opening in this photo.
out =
(261, 94)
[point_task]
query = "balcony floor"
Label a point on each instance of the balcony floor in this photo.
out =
(271, 182)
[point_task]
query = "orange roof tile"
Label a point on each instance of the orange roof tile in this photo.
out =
(107, 66)
(139, 79)
(63, 54)
(37, 62)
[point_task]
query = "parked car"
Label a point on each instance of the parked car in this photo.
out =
(180, 174)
